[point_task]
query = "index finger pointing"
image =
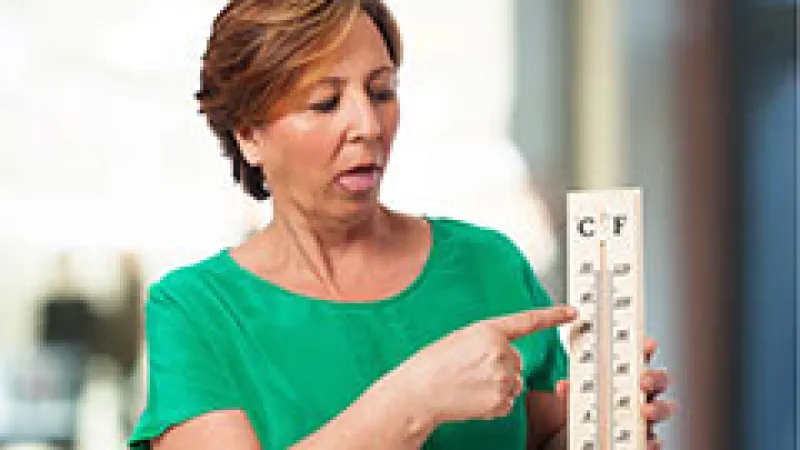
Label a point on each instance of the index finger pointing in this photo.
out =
(517, 325)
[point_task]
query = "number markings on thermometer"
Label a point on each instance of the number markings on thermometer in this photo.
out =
(606, 342)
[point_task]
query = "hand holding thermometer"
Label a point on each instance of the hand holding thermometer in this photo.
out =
(606, 341)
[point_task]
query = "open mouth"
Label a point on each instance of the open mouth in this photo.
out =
(361, 178)
(362, 169)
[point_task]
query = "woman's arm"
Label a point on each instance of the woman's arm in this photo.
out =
(378, 419)
(547, 417)
(472, 373)
(217, 429)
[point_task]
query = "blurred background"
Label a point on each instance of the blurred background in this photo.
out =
(109, 179)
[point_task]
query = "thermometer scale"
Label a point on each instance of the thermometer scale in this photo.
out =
(606, 342)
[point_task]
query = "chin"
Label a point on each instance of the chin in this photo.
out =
(357, 207)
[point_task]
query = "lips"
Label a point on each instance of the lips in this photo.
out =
(360, 178)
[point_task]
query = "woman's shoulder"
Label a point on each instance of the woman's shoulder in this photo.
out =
(481, 237)
(192, 280)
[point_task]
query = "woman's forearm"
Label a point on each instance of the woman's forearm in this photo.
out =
(556, 442)
(380, 418)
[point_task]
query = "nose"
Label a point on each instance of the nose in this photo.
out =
(363, 119)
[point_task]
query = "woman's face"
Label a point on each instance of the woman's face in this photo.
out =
(327, 156)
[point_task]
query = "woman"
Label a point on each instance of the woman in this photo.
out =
(343, 324)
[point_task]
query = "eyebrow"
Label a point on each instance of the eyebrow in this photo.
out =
(373, 74)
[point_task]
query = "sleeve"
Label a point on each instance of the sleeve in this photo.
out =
(185, 378)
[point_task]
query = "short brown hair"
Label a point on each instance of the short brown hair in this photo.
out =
(259, 53)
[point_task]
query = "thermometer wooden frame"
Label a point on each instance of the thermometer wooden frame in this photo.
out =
(606, 342)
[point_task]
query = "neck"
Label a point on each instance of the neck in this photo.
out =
(319, 245)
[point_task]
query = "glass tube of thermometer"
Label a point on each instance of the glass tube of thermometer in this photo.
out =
(605, 284)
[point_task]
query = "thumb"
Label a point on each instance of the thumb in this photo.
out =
(515, 326)
(562, 389)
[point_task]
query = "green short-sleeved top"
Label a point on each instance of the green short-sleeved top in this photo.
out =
(220, 337)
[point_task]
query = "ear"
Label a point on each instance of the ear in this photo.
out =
(249, 142)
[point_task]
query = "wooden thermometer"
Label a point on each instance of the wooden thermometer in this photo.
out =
(606, 341)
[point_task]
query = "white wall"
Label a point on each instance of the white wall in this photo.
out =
(102, 149)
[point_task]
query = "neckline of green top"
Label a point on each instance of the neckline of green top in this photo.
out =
(224, 255)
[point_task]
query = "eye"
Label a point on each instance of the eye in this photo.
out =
(383, 89)
(383, 95)
(327, 105)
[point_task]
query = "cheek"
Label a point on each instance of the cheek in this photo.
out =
(316, 147)
(305, 142)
